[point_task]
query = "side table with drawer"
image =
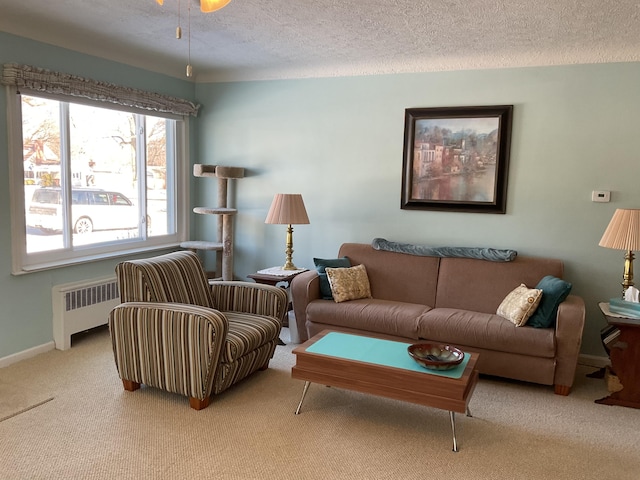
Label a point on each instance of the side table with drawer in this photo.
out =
(625, 359)
(276, 276)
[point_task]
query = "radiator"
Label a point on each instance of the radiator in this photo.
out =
(80, 306)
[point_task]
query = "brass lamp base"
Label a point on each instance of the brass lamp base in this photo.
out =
(627, 277)
(288, 264)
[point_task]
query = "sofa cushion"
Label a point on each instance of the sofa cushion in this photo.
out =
(554, 292)
(321, 264)
(349, 283)
(520, 304)
(486, 331)
(397, 276)
(371, 315)
(480, 285)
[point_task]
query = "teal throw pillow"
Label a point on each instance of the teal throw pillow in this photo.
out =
(321, 264)
(554, 292)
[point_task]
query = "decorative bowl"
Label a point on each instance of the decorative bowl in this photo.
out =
(434, 356)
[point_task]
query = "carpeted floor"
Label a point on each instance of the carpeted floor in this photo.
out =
(93, 429)
(18, 398)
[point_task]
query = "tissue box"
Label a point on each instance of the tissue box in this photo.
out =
(622, 307)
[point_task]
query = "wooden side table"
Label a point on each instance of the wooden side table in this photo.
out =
(283, 278)
(269, 279)
(625, 359)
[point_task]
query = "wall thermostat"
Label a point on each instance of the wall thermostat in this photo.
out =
(601, 196)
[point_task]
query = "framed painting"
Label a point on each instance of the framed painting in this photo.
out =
(456, 158)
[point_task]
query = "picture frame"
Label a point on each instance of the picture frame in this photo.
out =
(456, 158)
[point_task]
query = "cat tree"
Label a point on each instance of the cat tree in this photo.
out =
(224, 244)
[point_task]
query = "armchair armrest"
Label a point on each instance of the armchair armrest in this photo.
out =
(248, 297)
(569, 328)
(172, 346)
(305, 287)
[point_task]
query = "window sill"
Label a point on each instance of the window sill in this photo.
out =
(67, 262)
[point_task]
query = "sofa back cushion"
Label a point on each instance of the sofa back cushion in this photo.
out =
(481, 285)
(396, 276)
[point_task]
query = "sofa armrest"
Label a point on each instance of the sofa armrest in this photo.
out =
(172, 346)
(305, 287)
(569, 328)
(249, 297)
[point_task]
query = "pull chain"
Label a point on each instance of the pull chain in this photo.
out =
(189, 68)
(178, 28)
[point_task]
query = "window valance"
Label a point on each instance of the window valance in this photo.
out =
(42, 80)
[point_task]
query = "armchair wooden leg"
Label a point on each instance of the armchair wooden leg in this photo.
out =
(130, 385)
(198, 404)
(561, 389)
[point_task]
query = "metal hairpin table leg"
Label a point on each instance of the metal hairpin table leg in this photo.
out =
(452, 416)
(304, 392)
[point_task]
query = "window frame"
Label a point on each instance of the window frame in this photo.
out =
(23, 262)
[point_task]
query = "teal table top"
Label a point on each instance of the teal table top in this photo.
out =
(378, 352)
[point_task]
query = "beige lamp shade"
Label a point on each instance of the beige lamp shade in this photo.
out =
(623, 232)
(287, 209)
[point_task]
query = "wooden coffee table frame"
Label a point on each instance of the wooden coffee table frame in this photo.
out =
(422, 388)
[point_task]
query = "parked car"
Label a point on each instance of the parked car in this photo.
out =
(91, 209)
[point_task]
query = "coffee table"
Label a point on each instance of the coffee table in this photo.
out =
(383, 367)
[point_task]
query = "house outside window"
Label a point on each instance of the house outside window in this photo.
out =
(93, 180)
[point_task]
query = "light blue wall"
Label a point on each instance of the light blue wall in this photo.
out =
(25, 301)
(338, 141)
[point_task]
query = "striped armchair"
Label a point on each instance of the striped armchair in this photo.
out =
(178, 332)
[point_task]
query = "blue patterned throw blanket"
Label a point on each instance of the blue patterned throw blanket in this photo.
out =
(479, 253)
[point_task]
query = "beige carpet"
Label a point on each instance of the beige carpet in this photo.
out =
(93, 429)
(17, 398)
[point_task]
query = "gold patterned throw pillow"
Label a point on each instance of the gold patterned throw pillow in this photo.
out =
(349, 283)
(520, 304)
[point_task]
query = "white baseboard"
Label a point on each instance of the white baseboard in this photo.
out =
(594, 361)
(31, 352)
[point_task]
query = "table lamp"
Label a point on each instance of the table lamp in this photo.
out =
(288, 209)
(623, 233)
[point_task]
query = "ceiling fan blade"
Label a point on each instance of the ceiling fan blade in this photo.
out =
(212, 5)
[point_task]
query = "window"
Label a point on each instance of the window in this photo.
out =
(91, 180)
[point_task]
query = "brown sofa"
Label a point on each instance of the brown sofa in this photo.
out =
(454, 301)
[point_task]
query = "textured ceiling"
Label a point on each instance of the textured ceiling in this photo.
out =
(258, 39)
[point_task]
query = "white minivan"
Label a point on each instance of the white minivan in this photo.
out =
(91, 209)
